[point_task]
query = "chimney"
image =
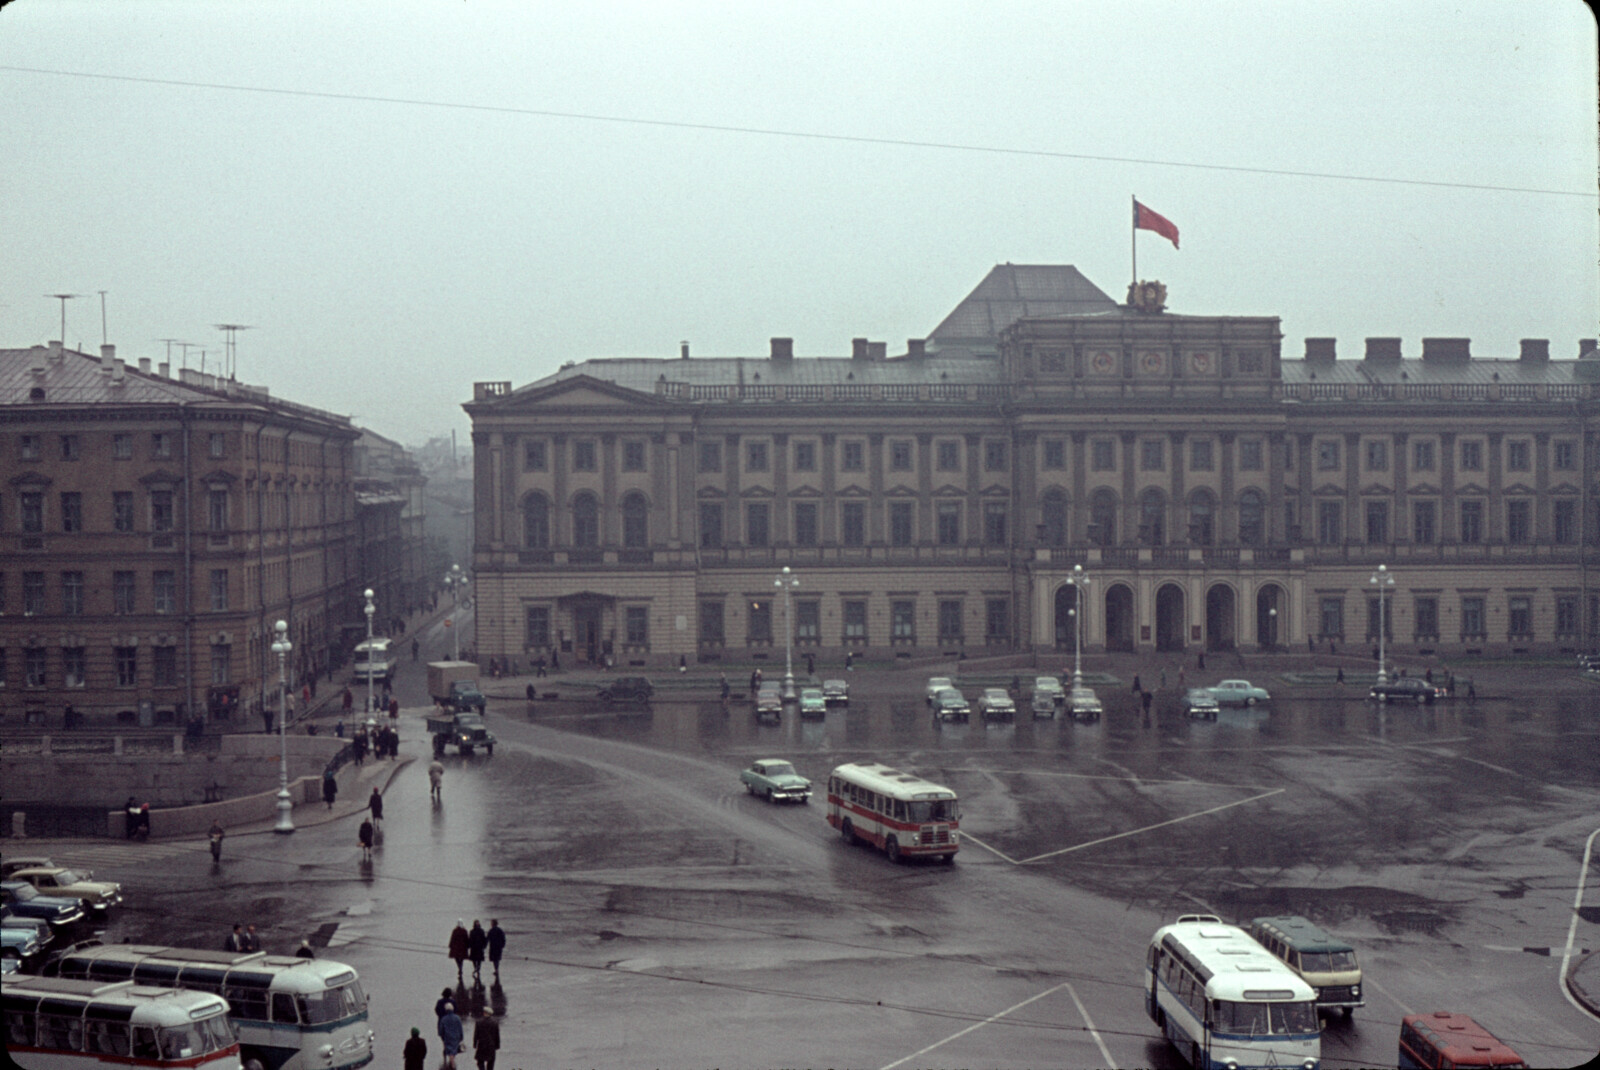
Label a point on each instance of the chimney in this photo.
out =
(878, 351)
(55, 349)
(683, 350)
(858, 349)
(1536, 349)
(119, 370)
(783, 349)
(107, 352)
(1447, 350)
(37, 355)
(144, 365)
(1588, 348)
(1320, 350)
(164, 369)
(916, 348)
(1383, 350)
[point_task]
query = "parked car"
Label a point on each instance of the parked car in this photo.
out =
(950, 705)
(769, 700)
(1239, 693)
(1200, 702)
(1043, 703)
(1083, 704)
(776, 781)
(97, 896)
(995, 704)
(11, 865)
(936, 684)
(813, 702)
(1051, 686)
(20, 944)
(835, 691)
(25, 901)
(1404, 689)
(627, 689)
(9, 919)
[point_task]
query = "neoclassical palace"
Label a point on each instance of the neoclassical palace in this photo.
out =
(1215, 494)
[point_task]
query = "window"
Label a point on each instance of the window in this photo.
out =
(583, 455)
(71, 447)
(947, 516)
(34, 660)
(903, 621)
(161, 445)
(755, 456)
(950, 620)
(1152, 455)
(994, 455)
(1422, 455)
(124, 592)
(1472, 455)
(1377, 523)
(71, 511)
(1519, 617)
(638, 625)
(805, 456)
(219, 589)
(711, 622)
(635, 521)
(161, 510)
(1424, 522)
(32, 504)
(1377, 455)
(808, 621)
(1518, 451)
(1565, 455)
(1472, 521)
(1330, 523)
(1103, 455)
(164, 666)
(221, 664)
(122, 446)
(1152, 518)
(1055, 454)
(997, 620)
(853, 523)
(900, 455)
(633, 456)
(538, 626)
(217, 445)
(757, 524)
(948, 455)
(1565, 527)
(994, 523)
(853, 457)
(536, 522)
(1327, 454)
(1202, 522)
(535, 455)
(1250, 455)
(217, 510)
(805, 523)
(28, 447)
(1566, 615)
(1332, 617)
(1103, 517)
(855, 622)
(127, 660)
(32, 594)
(72, 666)
(900, 524)
(1053, 517)
(163, 590)
(1472, 617)
(1200, 456)
(760, 623)
(1519, 520)
(586, 522)
(1427, 618)
(122, 510)
(710, 525)
(72, 594)
(1372, 618)
(710, 456)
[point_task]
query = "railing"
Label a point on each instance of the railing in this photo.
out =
(1437, 391)
(900, 392)
(804, 392)
(852, 392)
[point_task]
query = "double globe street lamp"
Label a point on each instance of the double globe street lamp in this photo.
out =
(1383, 582)
(1080, 581)
(281, 647)
(786, 582)
(455, 580)
(367, 594)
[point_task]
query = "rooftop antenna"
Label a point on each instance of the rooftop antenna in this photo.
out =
(186, 346)
(103, 337)
(231, 347)
(63, 298)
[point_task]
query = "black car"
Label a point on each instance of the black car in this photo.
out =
(627, 689)
(1404, 688)
(26, 902)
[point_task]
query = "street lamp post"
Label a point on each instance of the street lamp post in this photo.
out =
(1079, 582)
(1272, 627)
(281, 647)
(455, 581)
(367, 594)
(1382, 581)
(787, 582)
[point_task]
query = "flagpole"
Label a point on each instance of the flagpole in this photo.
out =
(1133, 239)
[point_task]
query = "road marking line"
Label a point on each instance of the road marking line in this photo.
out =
(965, 835)
(1572, 927)
(1367, 980)
(1073, 992)
(1150, 828)
(979, 1025)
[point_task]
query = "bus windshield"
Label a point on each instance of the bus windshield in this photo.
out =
(1262, 1019)
(1327, 961)
(934, 810)
(332, 1005)
(196, 1038)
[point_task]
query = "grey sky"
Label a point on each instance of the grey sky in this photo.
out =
(389, 254)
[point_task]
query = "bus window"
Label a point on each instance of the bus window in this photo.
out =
(107, 1038)
(283, 1008)
(248, 1003)
(144, 1043)
(60, 1032)
(1294, 1018)
(19, 1029)
(216, 1033)
(331, 1005)
(177, 1043)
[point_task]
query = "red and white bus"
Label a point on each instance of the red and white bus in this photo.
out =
(900, 813)
(53, 1023)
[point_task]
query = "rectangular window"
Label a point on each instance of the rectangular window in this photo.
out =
(1564, 455)
(948, 455)
(1377, 523)
(1200, 455)
(535, 455)
(584, 453)
(633, 456)
(1330, 523)
(1422, 455)
(1472, 618)
(32, 504)
(1377, 455)
(1055, 454)
(757, 524)
(994, 455)
(34, 660)
(538, 626)
(1472, 521)
(163, 591)
(950, 620)
(219, 589)
(221, 664)
(1152, 455)
(1565, 527)
(903, 621)
(710, 525)
(711, 622)
(805, 523)
(997, 620)
(122, 446)
(1472, 455)
(710, 454)
(164, 666)
(1103, 455)
(638, 625)
(1519, 520)
(900, 455)
(853, 457)
(855, 622)
(755, 456)
(72, 594)
(33, 594)
(1427, 619)
(1518, 451)
(1566, 615)
(900, 524)
(28, 447)
(72, 666)
(853, 523)
(1332, 617)
(71, 447)
(161, 515)
(71, 511)
(217, 445)
(1424, 522)
(122, 510)
(994, 523)
(805, 456)
(161, 445)
(217, 510)
(760, 626)
(808, 621)
(1519, 617)
(1327, 454)
(127, 659)
(948, 516)
(123, 592)
(1250, 455)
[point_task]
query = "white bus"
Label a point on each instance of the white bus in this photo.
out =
(902, 814)
(291, 1013)
(1224, 1001)
(375, 658)
(53, 1023)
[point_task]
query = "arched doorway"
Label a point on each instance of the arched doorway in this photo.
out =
(1270, 608)
(1119, 617)
(1066, 619)
(1170, 621)
(1221, 618)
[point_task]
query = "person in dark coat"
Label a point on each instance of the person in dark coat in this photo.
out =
(477, 942)
(486, 1041)
(330, 789)
(451, 1034)
(497, 945)
(458, 945)
(143, 831)
(235, 940)
(375, 804)
(130, 819)
(439, 1004)
(364, 837)
(305, 951)
(415, 1052)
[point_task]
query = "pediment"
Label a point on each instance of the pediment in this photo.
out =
(221, 476)
(1520, 490)
(805, 492)
(1469, 489)
(1328, 488)
(900, 490)
(854, 490)
(1376, 488)
(756, 492)
(711, 492)
(31, 479)
(948, 489)
(580, 391)
(995, 488)
(160, 475)
(1422, 488)
(1564, 488)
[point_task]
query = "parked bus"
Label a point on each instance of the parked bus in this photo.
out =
(902, 814)
(1443, 1039)
(291, 1013)
(375, 658)
(1326, 964)
(1223, 1000)
(53, 1023)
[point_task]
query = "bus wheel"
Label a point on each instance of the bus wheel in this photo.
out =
(892, 849)
(488, 748)
(848, 831)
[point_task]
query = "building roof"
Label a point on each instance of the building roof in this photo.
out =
(1016, 291)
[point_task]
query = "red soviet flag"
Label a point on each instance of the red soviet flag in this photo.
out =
(1145, 219)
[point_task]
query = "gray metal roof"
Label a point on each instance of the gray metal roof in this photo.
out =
(1016, 291)
(643, 373)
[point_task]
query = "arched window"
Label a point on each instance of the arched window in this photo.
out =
(1053, 515)
(635, 521)
(1103, 517)
(1252, 519)
(585, 522)
(1202, 518)
(1153, 518)
(536, 522)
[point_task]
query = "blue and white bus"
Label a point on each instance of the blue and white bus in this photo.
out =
(290, 1013)
(1225, 1002)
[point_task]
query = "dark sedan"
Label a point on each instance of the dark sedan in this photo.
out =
(1404, 689)
(26, 902)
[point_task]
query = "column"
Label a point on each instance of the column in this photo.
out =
(925, 533)
(1128, 523)
(1448, 520)
(610, 522)
(661, 461)
(1277, 532)
(560, 515)
(1178, 534)
(1495, 529)
(1080, 489)
(780, 491)
(875, 517)
(1399, 530)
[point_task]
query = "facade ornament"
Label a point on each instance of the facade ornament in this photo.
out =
(1147, 296)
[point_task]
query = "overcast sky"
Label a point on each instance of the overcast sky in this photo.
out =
(402, 198)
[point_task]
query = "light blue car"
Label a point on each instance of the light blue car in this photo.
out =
(1238, 693)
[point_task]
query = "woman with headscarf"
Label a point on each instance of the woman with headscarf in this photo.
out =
(451, 1034)
(415, 1052)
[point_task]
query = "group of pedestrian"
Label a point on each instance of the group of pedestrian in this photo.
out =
(242, 939)
(136, 820)
(470, 946)
(382, 740)
(452, 1038)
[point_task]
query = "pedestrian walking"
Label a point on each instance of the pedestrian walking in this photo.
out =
(1136, 687)
(722, 683)
(811, 664)
(849, 661)
(451, 1034)
(1200, 660)
(130, 819)
(555, 661)
(486, 1041)
(683, 663)
(375, 804)
(755, 680)
(538, 672)
(215, 835)
(415, 648)
(252, 939)
(364, 837)
(330, 788)
(436, 777)
(531, 693)
(415, 1053)
(497, 945)
(458, 946)
(1340, 676)
(394, 709)
(477, 943)
(1144, 700)
(1163, 679)
(143, 831)
(348, 700)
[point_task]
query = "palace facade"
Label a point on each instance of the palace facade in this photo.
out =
(1045, 445)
